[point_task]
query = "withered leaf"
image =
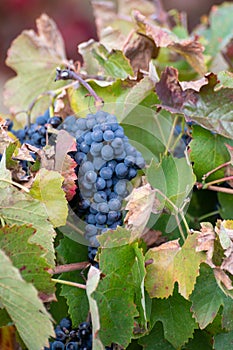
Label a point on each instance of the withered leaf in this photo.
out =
(205, 241)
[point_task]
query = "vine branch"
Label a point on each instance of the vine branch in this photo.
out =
(64, 74)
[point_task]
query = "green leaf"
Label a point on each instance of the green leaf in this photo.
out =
(212, 109)
(174, 313)
(23, 306)
(47, 189)
(174, 178)
(120, 237)
(172, 263)
(206, 298)
(115, 293)
(226, 205)
(208, 151)
(155, 339)
(5, 319)
(223, 341)
(219, 31)
(26, 257)
(115, 64)
(34, 57)
(73, 252)
(19, 208)
(201, 341)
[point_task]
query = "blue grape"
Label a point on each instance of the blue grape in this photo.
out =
(100, 218)
(72, 346)
(90, 176)
(103, 207)
(65, 323)
(121, 170)
(106, 173)
(107, 152)
(114, 204)
(84, 147)
(97, 135)
(108, 135)
(81, 123)
(57, 345)
(100, 183)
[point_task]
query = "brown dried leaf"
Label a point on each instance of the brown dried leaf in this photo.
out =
(222, 278)
(140, 51)
(205, 241)
(5, 139)
(196, 85)
(190, 49)
(170, 92)
(153, 238)
(49, 36)
(229, 168)
(141, 202)
(64, 163)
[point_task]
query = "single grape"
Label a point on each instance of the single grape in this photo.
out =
(121, 170)
(100, 183)
(114, 204)
(65, 323)
(90, 176)
(108, 135)
(57, 345)
(106, 173)
(107, 152)
(97, 135)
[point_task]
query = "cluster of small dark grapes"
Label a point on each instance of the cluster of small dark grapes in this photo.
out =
(72, 339)
(35, 133)
(106, 162)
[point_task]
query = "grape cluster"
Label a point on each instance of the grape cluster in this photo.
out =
(106, 162)
(35, 134)
(72, 339)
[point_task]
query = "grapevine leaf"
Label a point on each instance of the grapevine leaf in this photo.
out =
(73, 252)
(219, 31)
(5, 174)
(148, 342)
(206, 298)
(166, 177)
(223, 341)
(210, 107)
(177, 329)
(26, 257)
(225, 79)
(92, 282)
(190, 49)
(64, 163)
(19, 208)
(5, 319)
(172, 263)
(226, 205)
(23, 306)
(140, 204)
(208, 151)
(114, 63)
(115, 294)
(47, 189)
(120, 237)
(34, 57)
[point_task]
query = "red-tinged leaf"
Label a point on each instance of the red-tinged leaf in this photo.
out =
(8, 338)
(64, 163)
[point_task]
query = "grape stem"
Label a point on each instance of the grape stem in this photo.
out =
(15, 184)
(69, 267)
(215, 169)
(227, 178)
(69, 283)
(220, 189)
(64, 74)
